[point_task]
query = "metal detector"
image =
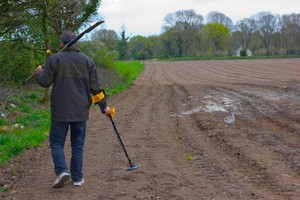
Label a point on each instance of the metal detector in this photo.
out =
(131, 166)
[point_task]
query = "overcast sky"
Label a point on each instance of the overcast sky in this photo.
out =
(145, 17)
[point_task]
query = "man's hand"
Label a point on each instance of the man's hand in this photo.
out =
(38, 70)
(107, 111)
(110, 112)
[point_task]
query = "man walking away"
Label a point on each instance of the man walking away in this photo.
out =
(74, 78)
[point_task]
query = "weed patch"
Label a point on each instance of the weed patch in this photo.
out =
(190, 157)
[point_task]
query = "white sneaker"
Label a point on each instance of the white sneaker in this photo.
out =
(61, 179)
(79, 183)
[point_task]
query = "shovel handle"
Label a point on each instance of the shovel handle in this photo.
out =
(71, 43)
(31, 76)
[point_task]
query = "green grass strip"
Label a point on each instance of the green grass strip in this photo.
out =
(34, 130)
(129, 70)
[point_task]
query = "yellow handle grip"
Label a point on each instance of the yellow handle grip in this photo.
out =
(112, 112)
(98, 97)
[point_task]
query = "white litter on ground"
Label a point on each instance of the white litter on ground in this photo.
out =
(194, 110)
(229, 119)
(213, 107)
(226, 102)
(212, 104)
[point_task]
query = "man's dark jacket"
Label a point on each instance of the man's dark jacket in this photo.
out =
(74, 78)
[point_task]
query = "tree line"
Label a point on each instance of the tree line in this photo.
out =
(30, 28)
(188, 34)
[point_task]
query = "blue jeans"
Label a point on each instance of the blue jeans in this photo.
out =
(57, 138)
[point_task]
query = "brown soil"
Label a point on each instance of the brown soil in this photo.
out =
(172, 123)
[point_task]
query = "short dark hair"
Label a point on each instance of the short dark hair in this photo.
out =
(67, 36)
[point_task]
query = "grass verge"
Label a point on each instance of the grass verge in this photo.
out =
(24, 124)
(129, 71)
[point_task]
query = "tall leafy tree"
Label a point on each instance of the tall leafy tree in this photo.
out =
(167, 42)
(139, 47)
(33, 20)
(217, 35)
(36, 25)
(123, 44)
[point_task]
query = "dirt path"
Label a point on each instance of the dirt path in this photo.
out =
(175, 111)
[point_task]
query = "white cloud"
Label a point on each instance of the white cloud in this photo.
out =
(145, 17)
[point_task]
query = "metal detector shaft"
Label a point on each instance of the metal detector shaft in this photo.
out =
(120, 140)
(72, 42)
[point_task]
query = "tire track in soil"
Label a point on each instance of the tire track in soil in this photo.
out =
(279, 134)
(275, 135)
(257, 157)
(169, 182)
(210, 164)
(162, 182)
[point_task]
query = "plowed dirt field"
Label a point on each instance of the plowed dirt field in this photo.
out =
(172, 123)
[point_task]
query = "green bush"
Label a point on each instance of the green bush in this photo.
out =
(141, 55)
(16, 63)
(243, 53)
(99, 53)
(106, 59)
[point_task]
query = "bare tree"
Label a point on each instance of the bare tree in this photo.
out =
(218, 17)
(189, 17)
(109, 37)
(247, 27)
(291, 33)
(267, 25)
(182, 27)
